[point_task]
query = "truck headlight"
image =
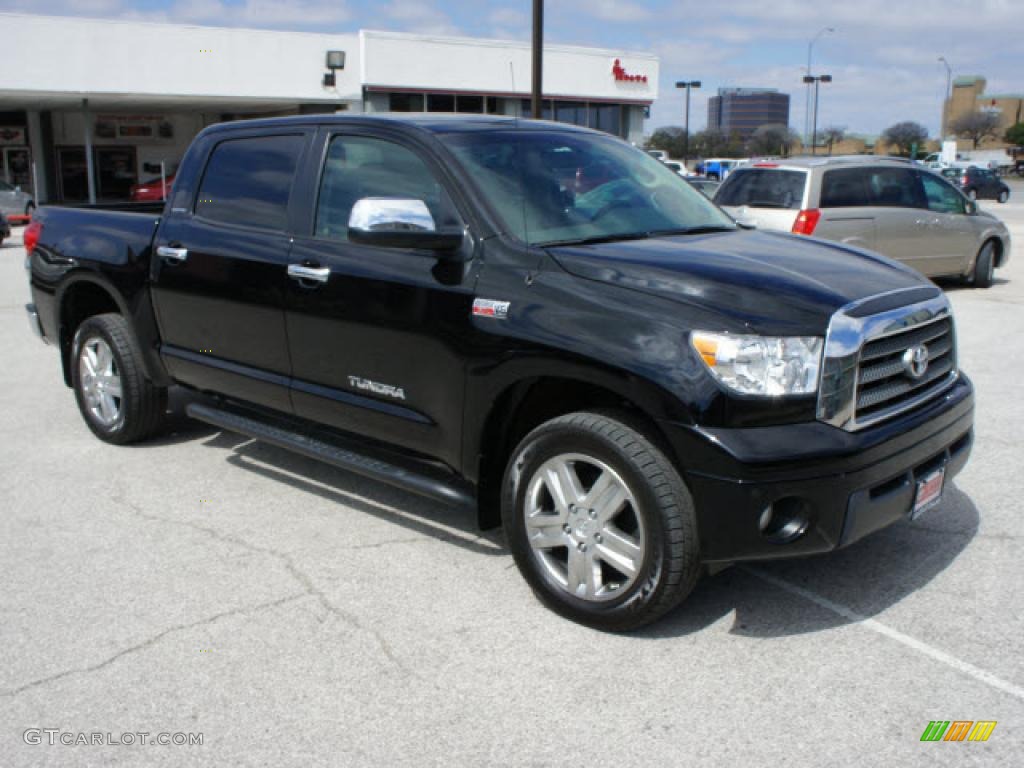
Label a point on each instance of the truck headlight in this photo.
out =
(761, 365)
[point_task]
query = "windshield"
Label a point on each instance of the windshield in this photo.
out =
(553, 187)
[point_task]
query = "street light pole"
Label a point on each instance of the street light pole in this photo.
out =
(817, 80)
(948, 96)
(807, 102)
(687, 84)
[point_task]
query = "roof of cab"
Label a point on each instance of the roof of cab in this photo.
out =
(433, 122)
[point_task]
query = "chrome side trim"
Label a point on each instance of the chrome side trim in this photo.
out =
(846, 336)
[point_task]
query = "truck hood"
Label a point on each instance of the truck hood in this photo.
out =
(770, 282)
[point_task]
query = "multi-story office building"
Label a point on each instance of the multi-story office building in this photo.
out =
(744, 110)
(968, 95)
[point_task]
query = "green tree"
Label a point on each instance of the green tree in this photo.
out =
(832, 135)
(905, 135)
(670, 139)
(1015, 135)
(976, 126)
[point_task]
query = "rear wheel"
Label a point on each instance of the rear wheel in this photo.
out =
(1003, 196)
(117, 401)
(599, 521)
(984, 266)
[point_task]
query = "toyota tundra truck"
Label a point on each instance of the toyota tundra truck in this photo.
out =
(534, 319)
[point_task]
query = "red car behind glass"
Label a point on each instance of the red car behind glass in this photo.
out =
(150, 191)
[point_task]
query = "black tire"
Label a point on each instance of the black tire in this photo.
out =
(662, 506)
(984, 266)
(141, 404)
(1003, 196)
(30, 209)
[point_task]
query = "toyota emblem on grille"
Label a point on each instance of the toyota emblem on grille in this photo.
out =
(915, 361)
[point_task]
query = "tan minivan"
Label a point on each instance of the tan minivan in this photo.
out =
(895, 207)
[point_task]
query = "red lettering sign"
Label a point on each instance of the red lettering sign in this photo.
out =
(621, 75)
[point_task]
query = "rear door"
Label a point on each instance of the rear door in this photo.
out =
(846, 212)
(377, 344)
(901, 227)
(767, 198)
(218, 276)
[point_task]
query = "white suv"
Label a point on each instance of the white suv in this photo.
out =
(887, 205)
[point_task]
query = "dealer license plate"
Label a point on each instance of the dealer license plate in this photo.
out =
(929, 492)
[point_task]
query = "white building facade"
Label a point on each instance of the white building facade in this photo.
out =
(89, 108)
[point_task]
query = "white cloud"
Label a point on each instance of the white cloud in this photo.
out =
(614, 10)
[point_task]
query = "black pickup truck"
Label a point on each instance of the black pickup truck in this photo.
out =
(535, 319)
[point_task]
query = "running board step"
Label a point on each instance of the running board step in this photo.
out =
(428, 482)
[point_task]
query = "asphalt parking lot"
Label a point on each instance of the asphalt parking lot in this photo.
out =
(294, 614)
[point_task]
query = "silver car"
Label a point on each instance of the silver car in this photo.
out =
(14, 203)
(890, 206)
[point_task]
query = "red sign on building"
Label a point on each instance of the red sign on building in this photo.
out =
(621, 75)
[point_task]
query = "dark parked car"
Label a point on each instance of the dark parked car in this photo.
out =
(5, 228)
(979, 183)
(637, 389)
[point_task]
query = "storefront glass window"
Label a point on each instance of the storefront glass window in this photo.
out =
(406, 102)
(440, 102)
(473, 104)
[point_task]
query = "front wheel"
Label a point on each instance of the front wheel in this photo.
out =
(984, 266)
(599, 521)
(119, 404)
(1003, 196)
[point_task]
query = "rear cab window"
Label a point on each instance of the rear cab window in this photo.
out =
(763, 188)
(248, 181)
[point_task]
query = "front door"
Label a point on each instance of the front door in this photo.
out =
(377, 345)
(950, 240)
(218, 275)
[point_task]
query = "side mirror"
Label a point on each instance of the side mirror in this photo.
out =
(393, 222)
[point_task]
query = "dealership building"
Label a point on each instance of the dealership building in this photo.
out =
(90, 107)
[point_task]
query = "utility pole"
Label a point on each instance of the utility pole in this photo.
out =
(536, 91)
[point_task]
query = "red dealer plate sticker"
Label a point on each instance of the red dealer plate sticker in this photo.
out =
(929, 491)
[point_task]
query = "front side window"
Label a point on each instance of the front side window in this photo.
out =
(550, 186)
(942, 198)
(763, 188)
(358, 167)
(248, 181)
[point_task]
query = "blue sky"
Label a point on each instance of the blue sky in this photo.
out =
(883, 54)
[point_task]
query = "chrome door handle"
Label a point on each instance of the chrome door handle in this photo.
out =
(301, 272)
(176, 255)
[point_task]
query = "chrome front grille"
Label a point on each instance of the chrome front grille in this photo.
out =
(873, 369)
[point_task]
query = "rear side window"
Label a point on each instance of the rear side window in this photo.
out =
(844, 188)
(248, 181)
(763, 188)
(893, 188)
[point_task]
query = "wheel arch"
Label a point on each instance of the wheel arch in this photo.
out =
(530, 401)
(80, 298)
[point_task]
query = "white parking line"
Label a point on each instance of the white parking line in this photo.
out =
(876, 626)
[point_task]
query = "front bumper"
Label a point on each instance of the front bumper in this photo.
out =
(845, 484)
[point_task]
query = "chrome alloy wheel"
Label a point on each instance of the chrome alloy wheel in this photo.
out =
(101, 382)
(584, 527)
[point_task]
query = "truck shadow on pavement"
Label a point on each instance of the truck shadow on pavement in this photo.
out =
(863, 580)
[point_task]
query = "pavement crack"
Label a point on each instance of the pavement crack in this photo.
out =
(298, 574)
(151, 642)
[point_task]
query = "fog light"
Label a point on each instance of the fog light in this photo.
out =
(784, 520)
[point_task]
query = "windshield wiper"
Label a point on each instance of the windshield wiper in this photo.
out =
(637, 235)
(596, 239)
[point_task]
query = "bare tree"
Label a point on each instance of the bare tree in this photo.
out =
(905, 135)
(832, 136)
(771, 140)
(976, 126)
